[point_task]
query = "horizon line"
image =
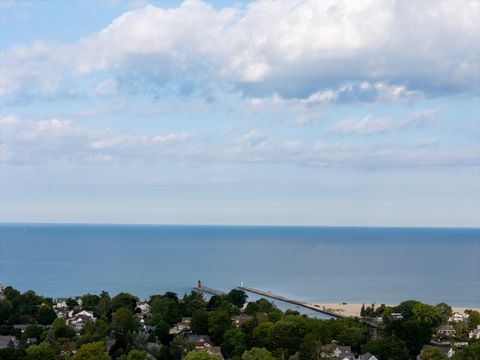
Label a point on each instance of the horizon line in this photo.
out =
(240, 225)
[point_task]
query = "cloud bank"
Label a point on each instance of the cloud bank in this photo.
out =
(333, 50)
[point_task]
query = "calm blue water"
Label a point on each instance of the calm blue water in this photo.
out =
(381, 265)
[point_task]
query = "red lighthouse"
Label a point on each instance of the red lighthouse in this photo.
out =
(199, 284)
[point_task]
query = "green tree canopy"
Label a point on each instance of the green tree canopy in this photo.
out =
(237, 297)
(124, 300)
(433, 354)
(42, 351)
(91, 351)
(199, 322)
(201, 355)
(389, 348)
(123, 322)
(257, 354)
(137, 355)
(45, 315)
(218, 323)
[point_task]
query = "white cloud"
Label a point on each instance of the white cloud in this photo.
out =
(370, 125)
(55, 139)
(366, 125)
(390, 49)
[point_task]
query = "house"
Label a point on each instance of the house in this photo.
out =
(181, 326)
(203, 342)
(79, 320)
(334, 351)
(367, 356)
(143, 307)
(475, 333)
(446, 330)
(2, 289)
(240, 319)
(447, 350)
(8, 341)
(20, 327)
(397, 316)
(458, 317)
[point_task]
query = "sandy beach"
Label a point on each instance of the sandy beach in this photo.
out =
(354, 309)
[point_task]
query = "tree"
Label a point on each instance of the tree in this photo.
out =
(218, 323)
(91, 351)
(444, 311)
(233, 343)
(237, 297)
(193, 302)
(180, 346)
(257, 354)
(201, 355)
(389, 348)
(199, 322)
(71, 303)
(42, 351)
(137, 355)
(94, 331)
(90, 302)
(124, 300)
(60, 330)
(261, 336)
(167, 308)
(471, 352)
(433, 354)
(104, 306)
(473, 318)
(32, 331)
(162, 331)
(123, 322)
(45, 315)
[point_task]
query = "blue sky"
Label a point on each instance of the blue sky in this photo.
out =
(330, 112)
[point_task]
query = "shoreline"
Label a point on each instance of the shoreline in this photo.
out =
(352, 309)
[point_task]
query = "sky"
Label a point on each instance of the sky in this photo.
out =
(287, 112)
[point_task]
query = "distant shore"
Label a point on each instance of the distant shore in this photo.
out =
(354, 309)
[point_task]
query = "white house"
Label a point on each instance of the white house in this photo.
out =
(475, 333)
(458, 317)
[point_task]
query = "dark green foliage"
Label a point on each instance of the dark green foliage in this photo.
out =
(234, 343)
(161, 331)
(71, 303)
(193, 302)
(94, 332)
(237, 297)
(179, 347)
(389, 348)
(103, 309)
(45, 315)
(166, 308)
(124, 300)
(123, 323)
(60, 330)
(218, 323)
(90, 302)
(471, 352)
(199, 322)
(42, 351)
(13, 354)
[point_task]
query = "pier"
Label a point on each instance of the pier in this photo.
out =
(209, 291)
(373, 326)
(306, 305)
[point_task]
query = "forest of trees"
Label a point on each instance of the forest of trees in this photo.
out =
(267, 334)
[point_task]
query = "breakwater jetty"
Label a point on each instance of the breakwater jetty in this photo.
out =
(304, 304)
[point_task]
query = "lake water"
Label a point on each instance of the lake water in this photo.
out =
(329, 264)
